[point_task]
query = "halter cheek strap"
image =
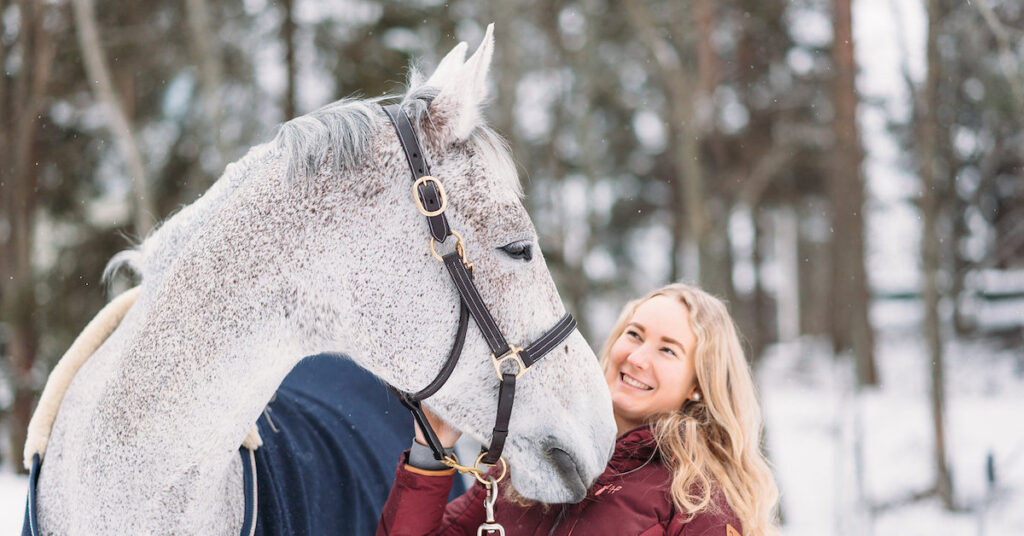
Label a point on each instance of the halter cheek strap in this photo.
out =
(431, 200)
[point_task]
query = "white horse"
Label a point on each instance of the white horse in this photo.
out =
(313, 243)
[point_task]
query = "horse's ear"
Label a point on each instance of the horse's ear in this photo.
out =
(455, 112)
(448, 66)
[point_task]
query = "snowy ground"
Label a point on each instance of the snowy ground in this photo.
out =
(12, 501)
(814, 415)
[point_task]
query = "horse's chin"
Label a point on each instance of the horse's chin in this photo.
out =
(563, 492)
(575, 489)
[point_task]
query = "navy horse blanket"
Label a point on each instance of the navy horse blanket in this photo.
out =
(332, 436)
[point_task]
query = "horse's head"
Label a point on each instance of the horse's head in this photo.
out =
(379, 294)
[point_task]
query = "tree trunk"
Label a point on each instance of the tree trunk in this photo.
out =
(120, 124)
(716, 260)
(815, 284)
(756, 305)
(207, 56)
(709, 71)
(851, 329)
(930, 250)
(690, 217)
(707, 60)
(17, 288)
(4, 125)
(288, 37)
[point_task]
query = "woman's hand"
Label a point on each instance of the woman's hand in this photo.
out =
(445, 433)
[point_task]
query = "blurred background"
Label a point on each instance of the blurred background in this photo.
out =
(846, 174)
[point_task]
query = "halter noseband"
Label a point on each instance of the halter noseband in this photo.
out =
(432, 200)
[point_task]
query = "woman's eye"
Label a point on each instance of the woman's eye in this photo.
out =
(519, 250)
(633, 335)
(669, 351)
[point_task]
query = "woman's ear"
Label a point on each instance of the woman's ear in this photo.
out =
(462, 90)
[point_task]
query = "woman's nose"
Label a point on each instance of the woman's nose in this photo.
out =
(638, 357)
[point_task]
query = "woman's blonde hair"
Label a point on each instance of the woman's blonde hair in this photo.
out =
(716, 441)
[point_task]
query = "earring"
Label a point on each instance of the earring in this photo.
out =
(696, 396)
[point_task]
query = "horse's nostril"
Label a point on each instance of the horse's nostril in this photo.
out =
(569, 472)
(563, 462)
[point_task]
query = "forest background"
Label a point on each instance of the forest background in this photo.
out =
(831, 171)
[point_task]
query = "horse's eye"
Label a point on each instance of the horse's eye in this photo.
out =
(519, 250)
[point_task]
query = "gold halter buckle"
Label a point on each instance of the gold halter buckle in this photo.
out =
(416, 196)
(513, 354)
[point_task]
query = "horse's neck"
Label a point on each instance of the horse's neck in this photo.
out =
(148, 434)
(157, 417)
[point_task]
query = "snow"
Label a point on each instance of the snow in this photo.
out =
(12, 501)
(823, 431)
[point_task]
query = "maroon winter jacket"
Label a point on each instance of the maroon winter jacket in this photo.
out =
(632, 497)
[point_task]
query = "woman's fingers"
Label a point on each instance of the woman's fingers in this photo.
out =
(445, 432)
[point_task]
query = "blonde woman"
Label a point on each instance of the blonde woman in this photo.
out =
(687, 460)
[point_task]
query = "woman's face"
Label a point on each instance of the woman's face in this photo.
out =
(650, 368)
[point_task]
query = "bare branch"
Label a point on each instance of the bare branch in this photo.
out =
(1006, 57)
(678, 89)
(98, 72)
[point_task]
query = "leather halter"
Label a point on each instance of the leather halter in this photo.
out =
(431, 200)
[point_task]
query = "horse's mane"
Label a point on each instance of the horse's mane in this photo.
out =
(343, 128)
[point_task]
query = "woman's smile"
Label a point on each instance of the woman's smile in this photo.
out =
(634, 383)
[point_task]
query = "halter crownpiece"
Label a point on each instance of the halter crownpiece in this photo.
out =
(432, 201)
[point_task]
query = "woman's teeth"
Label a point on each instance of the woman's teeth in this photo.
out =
(633, 383)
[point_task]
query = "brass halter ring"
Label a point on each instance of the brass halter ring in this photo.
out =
(476, 470)
(460, 248)
(419, 204)
(513, 354)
